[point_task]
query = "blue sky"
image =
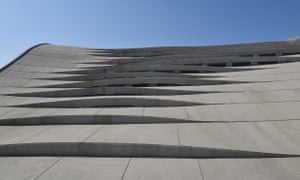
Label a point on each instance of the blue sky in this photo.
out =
(141, 23)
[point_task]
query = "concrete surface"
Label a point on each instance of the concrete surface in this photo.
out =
(215, 112)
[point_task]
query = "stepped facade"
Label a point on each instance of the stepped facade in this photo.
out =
(211, 112)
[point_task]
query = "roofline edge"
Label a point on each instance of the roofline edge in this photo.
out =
(21, 55)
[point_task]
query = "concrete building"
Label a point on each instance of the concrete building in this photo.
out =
(215, 112)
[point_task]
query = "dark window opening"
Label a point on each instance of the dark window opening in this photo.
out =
(189, 71)
(241, 64)
(292, 53)
(217, 64)
(286, 61)
(141, 85)
(267, 62)
(268, 54)
(166, 71)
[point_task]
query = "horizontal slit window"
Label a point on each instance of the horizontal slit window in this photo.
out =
(167, 84)
(116, 85)
(292, 53)
(268, 54)
(267, 62)
(167, 71)
(141, 85)
(241, 64)
(189, 71)
(217, 64)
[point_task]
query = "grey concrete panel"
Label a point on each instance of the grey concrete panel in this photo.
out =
(204, 114)
(163, 169)
(152, 134)
(169, 112)
(245, 112)
(75, 133)
(258, 169)
(274, 136)
(260, 136)
(87, 168)
(219, 135)
(26, 168)
(11, 134)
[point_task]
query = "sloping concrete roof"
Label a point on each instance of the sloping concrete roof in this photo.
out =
(215, 112)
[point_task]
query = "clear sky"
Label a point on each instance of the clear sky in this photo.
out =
(142, 23)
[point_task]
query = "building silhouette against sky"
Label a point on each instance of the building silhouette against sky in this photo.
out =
(211, 112)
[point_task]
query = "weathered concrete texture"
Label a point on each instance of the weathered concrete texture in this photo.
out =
(138, 113)
(15, 168)
(163, 169)
(258, 169)
(87, 168)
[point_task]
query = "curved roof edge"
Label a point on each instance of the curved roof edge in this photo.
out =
(21, 55)
(294, 38)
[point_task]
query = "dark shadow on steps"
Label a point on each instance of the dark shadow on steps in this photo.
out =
(95, 149)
